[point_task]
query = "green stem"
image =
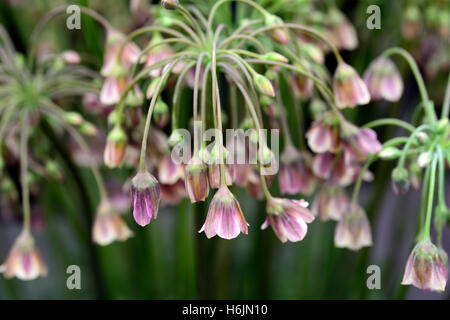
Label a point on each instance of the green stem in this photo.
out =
(24, 173)
(446, 105)
(391, 122)
(360, 178)
(428, 105)
(426, 231)
(411, 139)
(195, 103)
(177, 94)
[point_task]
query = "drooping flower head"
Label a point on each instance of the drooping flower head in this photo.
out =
(330, 203)
(196, 180)
(109, 226)
(288, 218)
(349, 89)
(426, 267)
(383, 80)
(24, 261)
(145, 192)
(353, 230)
(225, 217)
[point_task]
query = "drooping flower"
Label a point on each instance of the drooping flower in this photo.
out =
(341, 31)
(225, 217)
(280, 34)
(302, 86)
(330, 203)
(323, 136)
(426, 268)
(169, 172)
(383, 80)
(24, 261)
(295, 175)
(358, 143)
(353, 230)
(349, 89)
(109, 226)
(130, 54)
(288, 218)
(116, 144)
(169, 4)
(196, 180)
(112, 90)
(411, 22)
(145, 192)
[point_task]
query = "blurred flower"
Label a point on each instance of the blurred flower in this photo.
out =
(169, 4)
(302, 86)
(341, 31)
(426, 268)
(280, 34)
(109, 226)
(145, 192)
(295, 175)
(24, 261)
(263, 85)
(383, 80)
(353, 230)
(169, 172)
(359, 143)
(172, 194)
(71, 57)
(349, 89)
(330, 203)
(225, 217)
(116, 144)
(196, 180)
(288, 218)
(411, 23)
(324, 134)
(400, 180)
(112, 90)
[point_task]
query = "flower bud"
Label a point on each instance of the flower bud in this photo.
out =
(175, 138)
(161, 113)
(196, 180)
(426, 268)
(24, 261)
(71, 57)
(424, 159)
(389, 153)
(170, 4)
(88, 129)
(73, 118)
(400, 180)
(280, 34)
(263, 85)
(145, 192)
(116, 144)
(274, 56)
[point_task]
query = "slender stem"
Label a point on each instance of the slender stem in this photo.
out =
(195, 102)
(441, 197)
(177, 94)
(427, 104)
(230, 39)
(54, 13)
(390, 122)
(192, 21)
(24, 174)
(426, 231)
(423, 200)
(446, 105)
(142, 163)
(358, 183)
(411, 139)
(203, 98)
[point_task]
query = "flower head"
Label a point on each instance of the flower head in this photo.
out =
(225, 217)
(426, 267)
(109, 226)
(24, 261)
(353, 230)
(288, 218)
(349, 89)
(145, 192)
(383, 80)
(196, 180)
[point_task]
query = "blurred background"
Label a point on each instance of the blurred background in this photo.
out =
(169, 259)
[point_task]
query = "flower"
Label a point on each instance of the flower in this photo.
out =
(341, 31)
(263, 85)
(426, 267)
(295, 175)
(330, 203)
(324, 134)
(225, 217)
(109, 226)
(280, 34)
(196, 180)
(130, 54)
(353, 230)
(383, 80)
(24, 261)
(359, 143)
(302, 86)
(349, 89)
(112, 90)
(169, 172)
(116, 144)
(288, 218)
(145, 192)
(335, 168)
(169, 4)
